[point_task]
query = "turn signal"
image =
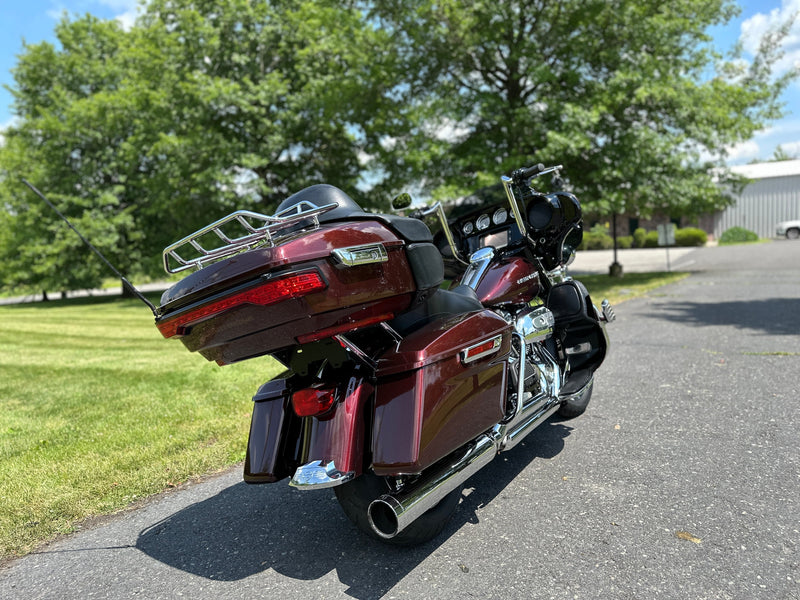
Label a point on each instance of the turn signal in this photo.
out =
(311, 401)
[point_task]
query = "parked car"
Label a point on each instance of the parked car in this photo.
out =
(789, 229)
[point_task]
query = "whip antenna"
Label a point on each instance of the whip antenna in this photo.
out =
(125, 283)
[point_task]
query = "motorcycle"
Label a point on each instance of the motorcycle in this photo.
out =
(397, 388)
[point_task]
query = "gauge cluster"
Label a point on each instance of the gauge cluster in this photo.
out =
(486, 227)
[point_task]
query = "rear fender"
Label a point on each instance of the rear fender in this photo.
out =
(282, 444)
(334, 441)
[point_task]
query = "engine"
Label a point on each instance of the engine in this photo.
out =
(532, 358)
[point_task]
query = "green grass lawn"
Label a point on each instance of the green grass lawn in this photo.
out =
(97, 410)
(632, 285)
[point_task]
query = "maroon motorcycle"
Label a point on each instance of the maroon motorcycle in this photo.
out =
(396, 390)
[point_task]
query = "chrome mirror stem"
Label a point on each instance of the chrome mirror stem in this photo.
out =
(512, 200)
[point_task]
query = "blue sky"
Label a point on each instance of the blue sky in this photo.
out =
(34, 20)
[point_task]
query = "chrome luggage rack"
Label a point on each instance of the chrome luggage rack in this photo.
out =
(255, 236)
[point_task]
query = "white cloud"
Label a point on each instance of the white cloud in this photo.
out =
(124, 11)
(127, 11)
(3, 126)
(754, 29)
(744, 151)
(792, 148)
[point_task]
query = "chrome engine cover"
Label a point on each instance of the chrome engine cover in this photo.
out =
(535, 324)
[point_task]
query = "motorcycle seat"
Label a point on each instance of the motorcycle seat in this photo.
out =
(410, 230)
(441, 303)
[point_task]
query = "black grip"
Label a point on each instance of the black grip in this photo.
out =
(520, 175)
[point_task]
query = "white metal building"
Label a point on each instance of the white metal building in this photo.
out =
(773, 196)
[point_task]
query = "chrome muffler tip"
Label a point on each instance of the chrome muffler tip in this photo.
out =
(383, 516)
(392, 513)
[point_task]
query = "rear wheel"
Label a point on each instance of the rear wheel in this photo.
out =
(575, 407)
(793, 233)
(356, 496)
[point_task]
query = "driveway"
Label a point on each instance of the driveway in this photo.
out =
(681, 481)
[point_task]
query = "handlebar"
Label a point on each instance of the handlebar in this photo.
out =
(521, 175)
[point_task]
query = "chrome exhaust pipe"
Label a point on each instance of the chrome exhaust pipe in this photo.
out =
(392, 513)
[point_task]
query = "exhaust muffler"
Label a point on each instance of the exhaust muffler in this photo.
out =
(391, 513)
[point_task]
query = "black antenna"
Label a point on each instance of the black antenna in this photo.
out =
(125, 283)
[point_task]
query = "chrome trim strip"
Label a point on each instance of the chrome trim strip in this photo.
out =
(317, 475)
(365, 254)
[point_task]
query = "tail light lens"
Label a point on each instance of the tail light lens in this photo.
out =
(344, 328)
(310, 402)
(271, 292)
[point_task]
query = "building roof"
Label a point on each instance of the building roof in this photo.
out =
(781, 168)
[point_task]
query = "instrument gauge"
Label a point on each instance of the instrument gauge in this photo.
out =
(483, 222)
(499, 216)
(468, 228)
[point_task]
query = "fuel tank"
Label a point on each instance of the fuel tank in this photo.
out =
(513, 280)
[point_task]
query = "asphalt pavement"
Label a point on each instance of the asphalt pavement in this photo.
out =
(682, 480)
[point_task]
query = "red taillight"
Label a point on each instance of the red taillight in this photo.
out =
(311, 401)
(339, 329)
(271, 292)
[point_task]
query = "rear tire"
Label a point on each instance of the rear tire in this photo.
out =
(572, 408)
(792, 234)
(355, 497)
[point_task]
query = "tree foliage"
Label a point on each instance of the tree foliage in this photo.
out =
(143, 135)
(628, 94)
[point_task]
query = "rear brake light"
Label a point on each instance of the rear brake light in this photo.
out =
(345, 328)
(311, 401)
(271, 292)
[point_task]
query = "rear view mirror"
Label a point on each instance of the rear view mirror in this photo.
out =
(401, 201)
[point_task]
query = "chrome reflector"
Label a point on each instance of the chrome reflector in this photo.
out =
(481, 349)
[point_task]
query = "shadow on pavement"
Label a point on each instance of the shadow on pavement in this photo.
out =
(245, 530)
(773, 316)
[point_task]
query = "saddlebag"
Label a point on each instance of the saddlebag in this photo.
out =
(444, 386)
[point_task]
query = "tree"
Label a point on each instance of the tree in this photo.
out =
(627, 94)
(781, 155)
(143, 136)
